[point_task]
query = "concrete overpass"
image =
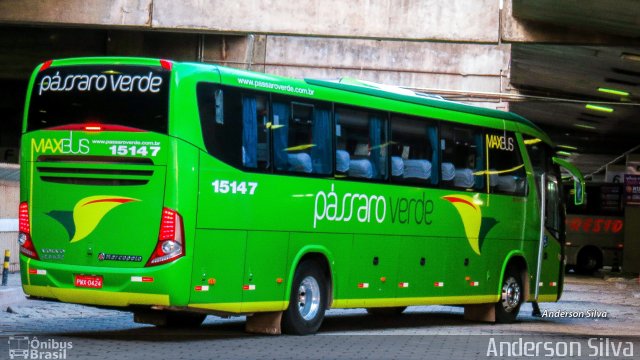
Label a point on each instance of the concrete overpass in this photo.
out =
(544, 60)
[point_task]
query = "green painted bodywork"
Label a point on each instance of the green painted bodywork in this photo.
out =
(242, 249)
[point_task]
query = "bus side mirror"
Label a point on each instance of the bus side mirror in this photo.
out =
(578, 179)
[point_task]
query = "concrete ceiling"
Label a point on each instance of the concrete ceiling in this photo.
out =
(567, 77)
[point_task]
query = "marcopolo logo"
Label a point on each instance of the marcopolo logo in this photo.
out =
(24, 347)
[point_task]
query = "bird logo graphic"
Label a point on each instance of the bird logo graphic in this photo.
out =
(87, 214)
(475, 226)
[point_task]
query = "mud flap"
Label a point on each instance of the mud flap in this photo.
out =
(264, 323)
(480, 312)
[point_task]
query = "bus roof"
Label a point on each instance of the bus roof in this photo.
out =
(355, 86)
(349, 85)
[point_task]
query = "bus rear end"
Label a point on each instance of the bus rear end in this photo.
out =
(97, 224)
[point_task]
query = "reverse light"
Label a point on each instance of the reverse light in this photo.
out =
(24, 236)
(170, 245)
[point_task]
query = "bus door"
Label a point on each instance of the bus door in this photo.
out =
(551, 239)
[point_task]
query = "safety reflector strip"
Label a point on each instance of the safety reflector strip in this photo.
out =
(438, 284)
(363, 285)
(202, 288)
(37, 272)
(141, 279)
(553, 283)
(403, 285)
(249, 287)
(474, 283)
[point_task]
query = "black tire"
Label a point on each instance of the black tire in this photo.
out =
(308, 300)
(511, 297)
(589, 260)
(386, 311)
(176, 319)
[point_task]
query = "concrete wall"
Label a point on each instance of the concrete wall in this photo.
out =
(455, 20)
(9, 200)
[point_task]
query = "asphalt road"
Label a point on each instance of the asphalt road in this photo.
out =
(608, 328)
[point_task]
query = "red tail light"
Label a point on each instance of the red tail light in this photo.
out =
(166, 64)
(170, 244)
(46, 65)
(24, 236)
(95, 127)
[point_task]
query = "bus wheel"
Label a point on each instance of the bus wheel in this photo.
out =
(308, 300)
(589, 260)
(511, 297)
(386, 311)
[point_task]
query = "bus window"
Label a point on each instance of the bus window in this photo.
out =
(361, 144)
(81, 103)
(302, 137)
(506, 169)
(414, 151)
(462, 157)
(240, 137)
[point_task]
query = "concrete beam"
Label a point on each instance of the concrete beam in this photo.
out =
(454, 20)
(114, 13)
(450, 66)
(559, 29)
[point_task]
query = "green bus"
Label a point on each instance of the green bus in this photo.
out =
(176, 190)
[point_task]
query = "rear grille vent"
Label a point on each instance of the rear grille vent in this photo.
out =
(95, 170)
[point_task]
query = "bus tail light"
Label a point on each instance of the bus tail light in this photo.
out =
(24, 236)
(170, 244)
(46, 65)
(166, 64)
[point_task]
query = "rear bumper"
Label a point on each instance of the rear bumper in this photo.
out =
(122, 287)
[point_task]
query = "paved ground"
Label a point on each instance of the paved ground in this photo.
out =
(433, 332)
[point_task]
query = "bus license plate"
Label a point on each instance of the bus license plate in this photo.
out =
(86, 281)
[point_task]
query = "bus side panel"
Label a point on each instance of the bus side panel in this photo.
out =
(412, 267)
(264, 270)
(374, 273)
(218, 266)
(551, 267)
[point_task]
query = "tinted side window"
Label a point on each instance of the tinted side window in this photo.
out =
(361, 144)
(234, 125)
(506, 173)
(414, 151)
(302, 138)
(463, 163)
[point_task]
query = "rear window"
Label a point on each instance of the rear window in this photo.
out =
(133, 96)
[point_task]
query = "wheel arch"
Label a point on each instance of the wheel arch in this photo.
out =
(516, 259)
(324, 257)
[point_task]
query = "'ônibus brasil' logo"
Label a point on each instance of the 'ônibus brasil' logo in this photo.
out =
(87, 214)
(475, 227)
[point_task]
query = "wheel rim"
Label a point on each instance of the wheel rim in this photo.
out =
(309, 298)
(510, 294)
